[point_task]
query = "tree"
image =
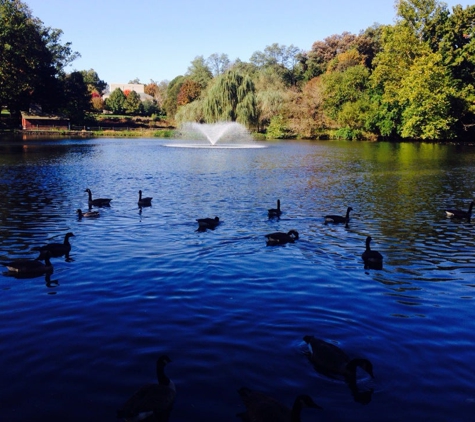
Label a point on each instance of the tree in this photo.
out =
(189, 91)
(427, 94)
(93, 82)
(170, 104)
(231, 98)
(218, 63)
(133, 104)
(32, 59)
(116, 101)
(340, 88)
(199, 72)
(285, 60)
(76, 98)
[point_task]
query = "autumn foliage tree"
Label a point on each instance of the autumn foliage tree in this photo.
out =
(189, 91)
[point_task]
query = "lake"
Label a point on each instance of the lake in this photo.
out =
(229, 310)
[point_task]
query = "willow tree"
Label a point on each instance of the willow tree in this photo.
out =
(231, 98)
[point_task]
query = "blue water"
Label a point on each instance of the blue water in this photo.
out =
(229, 310)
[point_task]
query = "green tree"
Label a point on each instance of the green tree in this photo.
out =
(32, 59)
(170, 104)
(427, 94)
(231, 98)
(133, 104)
(342, 88)
(284, 59)
(199, 72)
(94, 83)
(76, 97)
(116, 101)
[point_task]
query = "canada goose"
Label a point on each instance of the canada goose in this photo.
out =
(461, 214)
(87, 214)
(328, 358)
(275, 212)
(336, 219)
(279, 238)
(263, 408)
(372, 259)
(144, 202)
(57, 249)
(207, 223)
(28, 266)
(98, 201)
(151, 399)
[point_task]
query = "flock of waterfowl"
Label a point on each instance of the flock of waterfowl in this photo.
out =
(155, 401)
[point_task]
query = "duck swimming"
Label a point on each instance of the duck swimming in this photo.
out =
(280, 238)
(330, 359)
(337, 219)
(144, 202)
(28, 266)
(57, 249)
(275, 212)
(87, 214)
(372, 259)
(460, 214)
(151, 399)
(263, 408)
(207, 223)
(99, 202)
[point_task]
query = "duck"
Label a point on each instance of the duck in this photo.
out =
(263, 408)
(144, 202)
(57, 249)
(337, 219)
(275, 212)
(372, 259)
(28, 266)
(330, 359)
(151, 399)
(460, 214)
(99, 202)
(87, 214)
(280, 238)
(207, 223)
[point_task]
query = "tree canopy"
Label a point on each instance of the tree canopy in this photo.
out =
(32, 59)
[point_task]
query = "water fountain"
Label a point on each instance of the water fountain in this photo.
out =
(216, 135)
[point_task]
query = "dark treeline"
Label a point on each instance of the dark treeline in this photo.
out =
(414, 79)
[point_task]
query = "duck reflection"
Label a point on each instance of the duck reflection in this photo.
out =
(331, 361)
(263, 408)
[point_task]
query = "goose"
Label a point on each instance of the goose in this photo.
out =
(461, 214)
(280, 238)
(328, 358)
(275, 212)
(336, 219)
(98, 201)
(28, 266)
(263, 408)
(372, 259)
(87, 214)
(57, 249)
(207, 223)
(151, 399)
(144, 202)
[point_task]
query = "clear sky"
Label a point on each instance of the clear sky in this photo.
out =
(157, 39)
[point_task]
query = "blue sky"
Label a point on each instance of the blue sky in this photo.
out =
(157, 39)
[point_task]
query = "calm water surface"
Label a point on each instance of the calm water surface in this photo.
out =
(229, 310)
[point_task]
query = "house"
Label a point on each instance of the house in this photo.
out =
(37, 120)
